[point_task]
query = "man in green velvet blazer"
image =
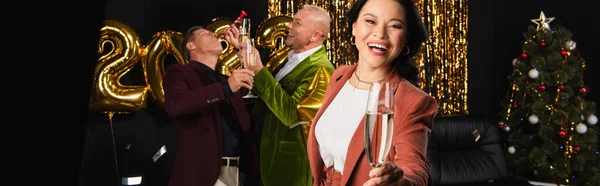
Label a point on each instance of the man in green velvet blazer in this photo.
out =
(283, 157)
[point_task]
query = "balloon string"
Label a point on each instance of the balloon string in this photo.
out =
(112, 131)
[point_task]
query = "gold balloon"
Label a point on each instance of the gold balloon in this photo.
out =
(277, 58)
(108, 94)
(162, 44)
(313, 97)
(270, 34)
(228, 60)
(272, 29)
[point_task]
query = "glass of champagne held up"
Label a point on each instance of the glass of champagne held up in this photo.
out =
(379, 122)
(250, 59)
(245, 27)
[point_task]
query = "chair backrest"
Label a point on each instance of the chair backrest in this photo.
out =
(465, 149)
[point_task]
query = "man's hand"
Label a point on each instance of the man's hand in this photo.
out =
(232, 36)
(240, 78)
(386, 174)
(258, 63)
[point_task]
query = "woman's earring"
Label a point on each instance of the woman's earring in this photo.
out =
(407, 50)
(352, 40)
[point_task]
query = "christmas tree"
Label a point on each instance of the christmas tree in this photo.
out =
(552, 131)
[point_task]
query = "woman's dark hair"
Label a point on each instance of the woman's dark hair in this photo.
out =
(189, 36)
(417, 34)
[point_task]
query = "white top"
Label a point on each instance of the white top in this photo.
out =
(338, 123)
(293, 61)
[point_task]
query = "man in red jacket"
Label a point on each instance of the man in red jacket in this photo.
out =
(216, 143)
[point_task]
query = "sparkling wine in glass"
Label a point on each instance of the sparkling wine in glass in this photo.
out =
(379, 122)
(245, 27)
(249, 61)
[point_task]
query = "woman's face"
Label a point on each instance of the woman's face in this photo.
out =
(380, 32)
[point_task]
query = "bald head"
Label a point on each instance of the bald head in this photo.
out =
(321, 19)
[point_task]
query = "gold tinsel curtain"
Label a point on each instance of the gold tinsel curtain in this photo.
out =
(442, 62)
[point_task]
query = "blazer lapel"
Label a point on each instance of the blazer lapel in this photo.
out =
(197, 70)
(300, 68)
(279, 67)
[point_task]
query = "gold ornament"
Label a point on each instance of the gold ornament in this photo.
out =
(542, 22)
(108, 94)
(570, 45)
(312, 99)
(162, 44)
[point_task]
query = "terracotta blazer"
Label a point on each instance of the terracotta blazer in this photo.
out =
(414, 112)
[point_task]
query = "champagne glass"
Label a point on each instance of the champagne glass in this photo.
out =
(248, 43)
(249, 61)
(245, 27)
(244, 36)
(379, 122)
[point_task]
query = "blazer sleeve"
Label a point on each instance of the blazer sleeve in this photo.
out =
(282, 104)
(410, 145)
(181, 100)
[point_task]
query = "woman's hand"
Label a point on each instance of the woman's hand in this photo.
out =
(386, 174)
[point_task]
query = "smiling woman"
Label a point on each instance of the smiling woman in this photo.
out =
(384, 34)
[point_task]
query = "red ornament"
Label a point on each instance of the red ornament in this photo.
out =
(582, 90)
(501, 125)
(542, 87)
(515, 105)
(576, 149)
(562, 134)
(563, 52)
(561, 87)
(543, 44)
(524, 55)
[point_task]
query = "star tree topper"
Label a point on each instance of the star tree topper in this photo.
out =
(543, 21)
